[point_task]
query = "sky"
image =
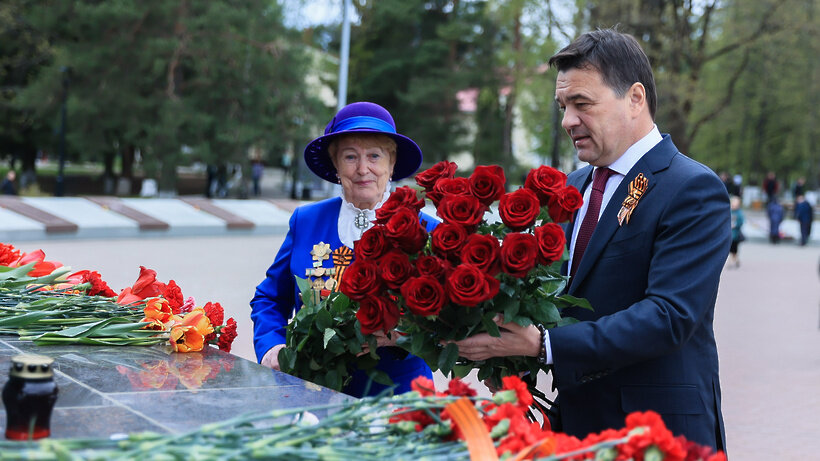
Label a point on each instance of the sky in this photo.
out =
(303, 13)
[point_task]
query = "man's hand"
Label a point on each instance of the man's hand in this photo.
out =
(271, 357)
(514, 340)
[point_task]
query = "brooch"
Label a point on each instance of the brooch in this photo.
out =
(636, 189)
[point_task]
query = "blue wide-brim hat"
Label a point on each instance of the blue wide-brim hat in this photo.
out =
(362, 117)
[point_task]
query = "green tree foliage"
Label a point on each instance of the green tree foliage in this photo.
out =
(407, 55)
(176, 81)
(771, 123)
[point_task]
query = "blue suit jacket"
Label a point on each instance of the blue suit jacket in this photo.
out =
(649, 344)
(276, 297)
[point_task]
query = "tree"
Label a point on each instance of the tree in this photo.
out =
(175, 81)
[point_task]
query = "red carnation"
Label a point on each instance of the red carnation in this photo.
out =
(545, 181)
(215, 313)
(402, 197)
(563, 203)
(226, 335)
(8, 254)
(173, 294)
(98, 286)
(519, 209)
(487, 183)
(427, 178)
(518, 254)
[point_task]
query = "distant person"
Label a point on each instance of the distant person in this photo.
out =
(775, 212)
(727, 181)
(804, 215)
(8, 183)
(257, 169)
(737, 231)
(770, 186)
(799, 188)
(737, 181)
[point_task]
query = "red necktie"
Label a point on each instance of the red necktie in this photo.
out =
(591, 217)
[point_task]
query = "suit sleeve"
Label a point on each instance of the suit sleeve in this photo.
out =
(691, 242)
(274, 303)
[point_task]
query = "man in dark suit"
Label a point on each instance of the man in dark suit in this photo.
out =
(651, 262)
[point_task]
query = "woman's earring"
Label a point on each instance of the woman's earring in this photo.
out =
(338, 179)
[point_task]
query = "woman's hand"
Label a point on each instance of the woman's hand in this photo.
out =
(382, 340)
(271, 357)
(515, 340)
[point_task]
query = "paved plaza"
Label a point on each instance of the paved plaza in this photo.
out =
(767, 321)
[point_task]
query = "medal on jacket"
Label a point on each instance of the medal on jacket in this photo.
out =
(636, 189)
(316, 275)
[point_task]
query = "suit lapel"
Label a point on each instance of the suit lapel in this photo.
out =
(655, 160)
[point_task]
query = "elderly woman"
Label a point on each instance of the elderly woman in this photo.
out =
(362, 151)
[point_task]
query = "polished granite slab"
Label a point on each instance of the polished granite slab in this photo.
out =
(109, 391)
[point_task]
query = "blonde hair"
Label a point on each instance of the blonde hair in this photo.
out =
(381, 141)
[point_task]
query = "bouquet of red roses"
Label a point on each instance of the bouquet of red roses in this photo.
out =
(452, 283)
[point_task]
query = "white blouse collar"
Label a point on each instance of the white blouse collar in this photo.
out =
(349, 231)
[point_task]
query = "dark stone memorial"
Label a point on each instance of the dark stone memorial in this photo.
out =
(106, 392)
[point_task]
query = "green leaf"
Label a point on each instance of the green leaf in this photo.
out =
(287, 359)
(22, 320)
(323, 320)
(462, 370)
(569, 300)
(329, 333)
(448, 358)
(490, 326)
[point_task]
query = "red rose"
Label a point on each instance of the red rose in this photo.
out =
(564, 202)
(433, 266)
(361, 280)
(173, 294)
(447, 240)
(482, 250)
(519, 209)
(402, 197)
(544, 181)
(424, 295)
(551, 241)
(395, 268)
(464, 210)
(468, 286)
(377, 313)
(518, 254)
(487, 183)
(405, 231)
(427, 178)
(449, 186)
(373, 244)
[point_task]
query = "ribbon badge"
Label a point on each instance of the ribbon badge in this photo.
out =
(636, 189)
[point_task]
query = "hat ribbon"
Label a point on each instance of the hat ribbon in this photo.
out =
(363, 121)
